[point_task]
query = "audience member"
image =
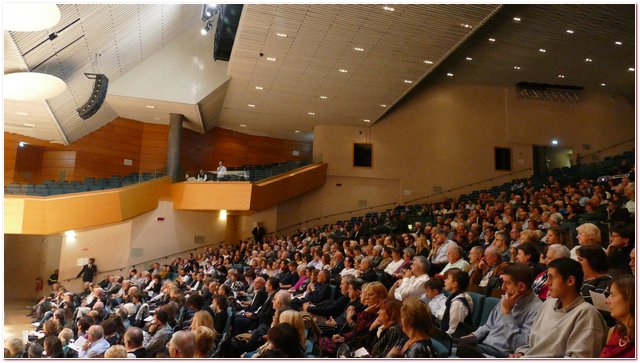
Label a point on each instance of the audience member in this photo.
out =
(621, 338)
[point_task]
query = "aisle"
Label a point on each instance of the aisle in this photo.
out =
(15, 319)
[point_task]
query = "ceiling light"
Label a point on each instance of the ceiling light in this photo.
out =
(366, 120)
(467, 26)
(22, 144)
(149, 106)
(554, 142)
(516, 19)
(603, 84)
(157, 118)
(428, 61)
(22, 113)
(297, 131)
(32, 86)
(271, 59)
(259, 88)
(560, 75)
(449, 74)
(469, 58)
(207, 26)
(618, 43)
(383, 106)
(358, 49)
(408, 81)
(28, 125)
(516, 67)
(631, 69)
(588, 60)
(388, 8)
(324, 97)
(311, 113)
(542, 50)
(281, 35)
(492, 40)
(569, 31)
(25, 17)
(251, 105)
(342, 70)
(243, 125)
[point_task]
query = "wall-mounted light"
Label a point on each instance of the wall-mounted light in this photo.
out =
(223, 215)
(70, 236)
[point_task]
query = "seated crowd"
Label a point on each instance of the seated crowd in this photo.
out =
(378, 288)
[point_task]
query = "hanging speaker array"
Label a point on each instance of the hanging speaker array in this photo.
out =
(97, 96)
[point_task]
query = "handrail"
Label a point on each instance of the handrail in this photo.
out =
(152, 260)
(606, 148)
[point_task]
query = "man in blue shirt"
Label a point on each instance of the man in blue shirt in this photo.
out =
(510, 321)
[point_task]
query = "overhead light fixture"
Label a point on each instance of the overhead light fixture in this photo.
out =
(324, 97)
(618, 43)
(560, 75)
(207, 26)
(366, 120)
(243, 125)
(32, 86)
(408, 81)
(22, 143)
(569, 31)
(449, 74)
(383, 106)
(271, 59)
(631, 69)
(469, 58)
(342, 70)
(259, 88)
(22, 113)
(492, 40)
(251, 105)
(466, 26)
(311, 113)
(588, 60)
(358, 49)
(554, 142)
(70, 236)
(98, 95)
(516, 67)
(542, 50)
(388, 8)
(517, 19)
(603, 84)
(222, 215)
(29, 17)
(297, 131)
(28, 125)
(428, 61)
(281, 35)
(150, 106)
(157, 118)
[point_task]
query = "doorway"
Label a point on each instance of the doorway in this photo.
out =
(547, 158)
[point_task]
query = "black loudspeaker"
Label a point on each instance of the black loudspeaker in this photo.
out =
(227, 25)
(97, 96)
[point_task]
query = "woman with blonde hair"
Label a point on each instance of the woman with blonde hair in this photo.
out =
(416, 323)
(201, 318)
(205, 338)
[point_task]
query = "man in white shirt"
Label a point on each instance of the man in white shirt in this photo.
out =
(440, 247)
(221, 171)
(96, 345)
(413, 281)
(396, 255)
(454, 256)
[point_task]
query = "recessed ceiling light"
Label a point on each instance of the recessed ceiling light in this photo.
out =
(554, 142)
(467, 26)
(603, 84)
(569, 31)
(469, 58)
(492, 40)
(149, 106)
(251, 105)
(28, 125)
(516, 19)
(281, 35)
(516, 67)
(297, 131)
(560, 75)
(631, 69)
(324, 97)
(383, 106)
(408, 81)
(243, 125)
(271, 59)
(22, 113)
(157, 118)
(618, 43)
(358, 49)
(428, 61)
(449, 74)
(588, 60)
(542, 50)
(388, 8)
(341, 70)
(311, 113)
(259, 88)
(366, 120)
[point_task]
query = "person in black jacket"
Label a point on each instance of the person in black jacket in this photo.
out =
(89, 271)
(336, 307)
(133, 340)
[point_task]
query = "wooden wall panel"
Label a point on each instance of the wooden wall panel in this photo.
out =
(153, 149)
(54, 161)
(28, 164)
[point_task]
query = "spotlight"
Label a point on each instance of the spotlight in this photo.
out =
(98, 95)
(206, 28)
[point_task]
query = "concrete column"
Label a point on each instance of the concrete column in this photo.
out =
(173, 147)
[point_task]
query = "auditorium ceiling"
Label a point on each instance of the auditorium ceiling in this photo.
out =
(294, 66)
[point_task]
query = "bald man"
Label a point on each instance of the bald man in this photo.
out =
(96, 345)
(182, 344)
